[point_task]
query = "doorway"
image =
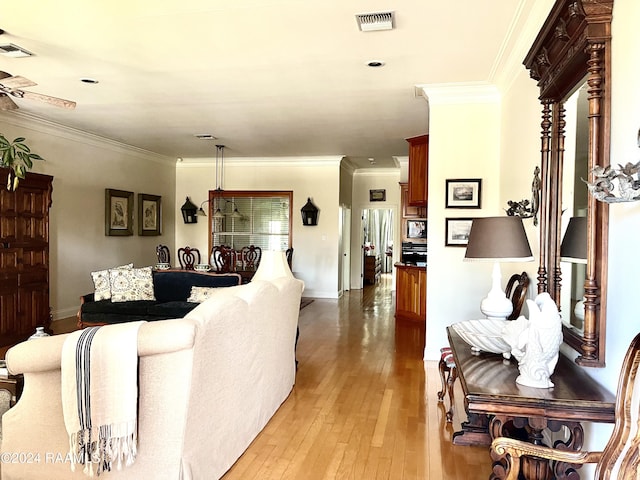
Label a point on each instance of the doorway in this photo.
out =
(377, 240)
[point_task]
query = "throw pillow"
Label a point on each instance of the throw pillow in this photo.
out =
(101, 283)
(200, 294)
(131, 284)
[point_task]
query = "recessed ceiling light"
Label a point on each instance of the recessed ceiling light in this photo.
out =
(92, 81)
(375, 63)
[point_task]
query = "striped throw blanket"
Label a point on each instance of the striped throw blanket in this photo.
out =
(99, 372)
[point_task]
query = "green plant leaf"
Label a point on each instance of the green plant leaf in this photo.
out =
(18, 140)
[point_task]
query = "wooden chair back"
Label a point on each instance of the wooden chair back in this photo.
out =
(289, 254)
(620, 458)
(250, 257)
(516, 290)
(188, 257)
(163, 254)
(224, 259)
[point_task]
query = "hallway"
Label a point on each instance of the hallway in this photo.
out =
(364, 406)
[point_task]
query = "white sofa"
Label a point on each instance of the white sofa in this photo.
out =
(208, 384)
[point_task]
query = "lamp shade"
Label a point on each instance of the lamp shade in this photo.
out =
(574, 244)
(501, 239)
(273, 264)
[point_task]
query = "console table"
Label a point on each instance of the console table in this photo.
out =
(498, 407)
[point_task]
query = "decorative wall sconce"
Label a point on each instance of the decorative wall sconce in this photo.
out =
(615, 185)
(527, 208)
(189, 212)
(309, 213)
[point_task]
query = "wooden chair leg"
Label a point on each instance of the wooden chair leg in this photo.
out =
(444, 374)
(451, 380)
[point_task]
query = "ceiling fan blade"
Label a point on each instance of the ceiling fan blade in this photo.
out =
(58, 102)
(17, 82)
(6, 103)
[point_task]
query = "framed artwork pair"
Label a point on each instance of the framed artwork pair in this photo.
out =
(461, 193)
(118, 215)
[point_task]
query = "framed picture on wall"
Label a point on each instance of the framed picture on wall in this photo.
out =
(457, 231)
(118, 213)
(463, 193)
(149, 214)
(379, 195)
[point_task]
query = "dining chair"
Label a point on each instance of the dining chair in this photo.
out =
(224, 259)
(250, 257)
(188, 257)
(163, 254)
(289, 254)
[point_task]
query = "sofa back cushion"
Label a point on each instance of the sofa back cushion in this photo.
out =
(171, 285)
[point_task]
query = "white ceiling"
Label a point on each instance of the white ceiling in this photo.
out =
(266, 77)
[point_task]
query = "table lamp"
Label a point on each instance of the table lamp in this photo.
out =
(573, 249)
(497, 239)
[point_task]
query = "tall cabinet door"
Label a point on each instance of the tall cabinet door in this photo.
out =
(24, 257)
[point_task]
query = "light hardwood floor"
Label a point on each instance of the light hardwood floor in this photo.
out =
(364, 405)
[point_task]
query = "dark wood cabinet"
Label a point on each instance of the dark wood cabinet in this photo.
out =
(24, 257)
(418, 167)
(372, 268)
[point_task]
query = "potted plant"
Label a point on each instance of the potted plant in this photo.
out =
(17, 157)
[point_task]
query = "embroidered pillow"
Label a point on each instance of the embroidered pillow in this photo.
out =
(101, 283)
(131, 284)
(200, 294)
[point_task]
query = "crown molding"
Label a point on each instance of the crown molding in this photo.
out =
(47, 127)
(460, 93)
(322, 161)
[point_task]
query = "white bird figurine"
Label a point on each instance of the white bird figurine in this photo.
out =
(537, 347)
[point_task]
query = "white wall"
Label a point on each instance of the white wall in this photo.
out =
(83, 166)
(463, 143)
(315, 258)
(363, 181)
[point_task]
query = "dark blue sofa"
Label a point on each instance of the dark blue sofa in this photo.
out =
(171, 289)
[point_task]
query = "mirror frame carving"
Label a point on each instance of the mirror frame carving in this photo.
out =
(574, 43)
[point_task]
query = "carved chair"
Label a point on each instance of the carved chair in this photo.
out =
(188, 257)
(163, 254)
(224, 259)
(289, 254)
(620, 458)
(516, 290)
(250, 257)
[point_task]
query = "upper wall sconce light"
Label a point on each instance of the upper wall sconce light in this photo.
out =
(189, 212)
(527, 208)
(309, 213)
(615, 185)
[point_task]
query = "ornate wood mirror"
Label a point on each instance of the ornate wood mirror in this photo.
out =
(572, 50)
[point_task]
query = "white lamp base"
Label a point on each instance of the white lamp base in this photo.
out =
(496, 305)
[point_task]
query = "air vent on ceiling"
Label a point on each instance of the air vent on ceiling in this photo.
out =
(369, 22)
(11, 50)
(204, 136)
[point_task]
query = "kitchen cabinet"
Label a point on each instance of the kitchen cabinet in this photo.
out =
(411, 292)
(418, 168)
(409, 212)
(24, 257)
